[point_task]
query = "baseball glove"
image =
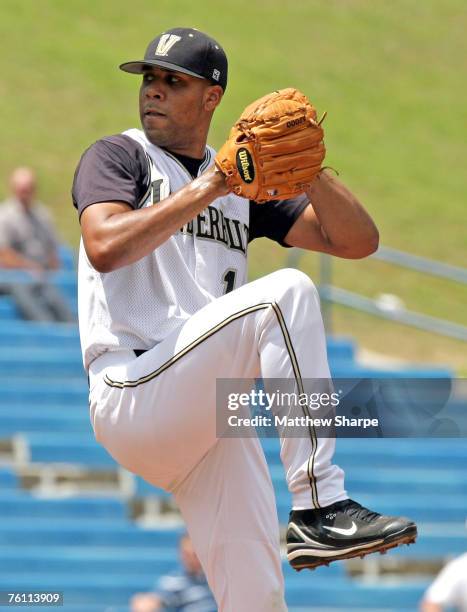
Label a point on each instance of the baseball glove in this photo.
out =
(275, 149)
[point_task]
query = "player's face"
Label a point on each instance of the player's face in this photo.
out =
(173, 109)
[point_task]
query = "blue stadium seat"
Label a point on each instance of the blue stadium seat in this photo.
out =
(341, 368)
(16, 334)
(8, 309)
(8, 478)
(67, 257)
(384, 453)
(20, 504)
(41, 362)
(411, 453)
(64, 280)
(354, 596)
(401, 480)
(66, 283)
(71, 448)
(115, 533)
(43, 391)
(44, 419)
(397, 481)
(340, 348)
(88, 560)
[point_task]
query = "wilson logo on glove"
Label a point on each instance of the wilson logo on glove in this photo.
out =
(245, 166)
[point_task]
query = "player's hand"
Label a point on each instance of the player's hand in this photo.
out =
(216, 179)
(275, 150)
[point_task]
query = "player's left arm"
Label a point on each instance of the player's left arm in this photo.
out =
(335, 222)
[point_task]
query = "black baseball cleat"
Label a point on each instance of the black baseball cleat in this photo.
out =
(342, 531)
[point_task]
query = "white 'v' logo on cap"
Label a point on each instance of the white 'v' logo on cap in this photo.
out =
(166, 42)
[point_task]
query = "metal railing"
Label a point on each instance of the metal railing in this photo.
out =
(331, 294)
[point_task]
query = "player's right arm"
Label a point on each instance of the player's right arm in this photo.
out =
(115, 232)
(114, 235)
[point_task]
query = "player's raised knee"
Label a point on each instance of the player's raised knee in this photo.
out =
(291, 278)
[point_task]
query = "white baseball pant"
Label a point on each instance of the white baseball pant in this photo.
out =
(156, 415)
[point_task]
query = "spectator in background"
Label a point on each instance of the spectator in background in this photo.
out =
(449, 589)
(28, 242)
(182, 591)
(27, 235)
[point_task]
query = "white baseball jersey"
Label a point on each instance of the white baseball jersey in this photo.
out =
(138, 305)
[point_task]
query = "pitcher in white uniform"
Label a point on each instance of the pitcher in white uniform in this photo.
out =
(165, 310)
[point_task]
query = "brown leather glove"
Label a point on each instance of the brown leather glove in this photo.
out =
(275, 149)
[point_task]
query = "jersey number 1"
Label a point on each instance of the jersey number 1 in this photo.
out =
(229, 280)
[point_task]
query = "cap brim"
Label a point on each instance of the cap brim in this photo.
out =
(140, 66)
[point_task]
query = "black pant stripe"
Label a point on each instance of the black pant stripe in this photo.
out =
(298, 378)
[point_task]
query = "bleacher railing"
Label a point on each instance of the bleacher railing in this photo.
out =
(331, 294)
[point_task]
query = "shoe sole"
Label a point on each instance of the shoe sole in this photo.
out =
(306, 559)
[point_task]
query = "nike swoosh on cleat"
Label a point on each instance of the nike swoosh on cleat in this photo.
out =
(348, 532)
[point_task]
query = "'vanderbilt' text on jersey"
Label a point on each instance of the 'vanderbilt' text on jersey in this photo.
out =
(136, 306)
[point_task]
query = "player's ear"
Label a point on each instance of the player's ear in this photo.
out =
(212, 97)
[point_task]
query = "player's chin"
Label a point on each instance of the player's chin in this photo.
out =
(155, 134)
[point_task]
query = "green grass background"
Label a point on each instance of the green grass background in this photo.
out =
(390, 74)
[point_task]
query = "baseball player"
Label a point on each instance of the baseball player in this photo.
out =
(165, 310)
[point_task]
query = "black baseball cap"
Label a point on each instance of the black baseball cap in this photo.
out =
(184, 50)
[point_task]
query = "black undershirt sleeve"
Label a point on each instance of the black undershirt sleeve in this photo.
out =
(113, 169)
(274, 219)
